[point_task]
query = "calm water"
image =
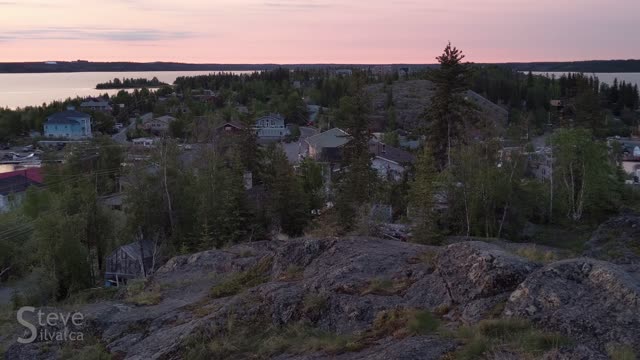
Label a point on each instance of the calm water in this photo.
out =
(606, 78)
(20, 90)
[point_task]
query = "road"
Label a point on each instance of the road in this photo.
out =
(295, 149)
(121, 137)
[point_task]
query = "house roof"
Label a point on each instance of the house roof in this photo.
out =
(274, 117)
(234, 124)
(67, 117)
(15, 184)
(135, 249)
(166, 118)
(146, 117)
(332, 138)
(396, 155)
(91, 102)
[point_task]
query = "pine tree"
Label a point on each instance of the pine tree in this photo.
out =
(421, 200)
(288, 204)
(445, 116)
(357, 180)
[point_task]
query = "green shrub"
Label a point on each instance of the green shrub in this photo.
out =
(423, 322)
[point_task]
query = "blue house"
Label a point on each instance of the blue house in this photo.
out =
(70, 124)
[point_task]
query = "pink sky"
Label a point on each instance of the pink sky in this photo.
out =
(317, 31)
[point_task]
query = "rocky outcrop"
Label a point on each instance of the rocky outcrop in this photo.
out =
(341, 286)
(617, 240)
(591, 301)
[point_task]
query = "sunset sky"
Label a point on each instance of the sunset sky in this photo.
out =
(317, 31)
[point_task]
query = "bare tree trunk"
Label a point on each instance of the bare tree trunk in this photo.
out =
(166, 186)
(506, 205)
(154, 254)
(551, 182)
(142, 267)
(466, 210)
(448, 144)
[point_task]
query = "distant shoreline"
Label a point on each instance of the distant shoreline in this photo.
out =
(591, 66)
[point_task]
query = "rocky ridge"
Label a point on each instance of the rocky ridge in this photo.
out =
(360, 289)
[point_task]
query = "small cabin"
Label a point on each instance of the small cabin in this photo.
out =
(130, 261)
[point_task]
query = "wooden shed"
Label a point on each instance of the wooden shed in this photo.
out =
(130, 261)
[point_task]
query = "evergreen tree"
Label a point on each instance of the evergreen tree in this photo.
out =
(421, 200)
(288, 204)
(446, 114)
(357, 180)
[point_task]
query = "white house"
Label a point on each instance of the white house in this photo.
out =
(70, 124)
(271, 127)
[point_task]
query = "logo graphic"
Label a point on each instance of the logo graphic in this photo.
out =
(50, 326)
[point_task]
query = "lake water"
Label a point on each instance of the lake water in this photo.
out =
(20, 90)
(606, 78)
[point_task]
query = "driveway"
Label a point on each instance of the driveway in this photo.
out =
(295, 149)
(121, 137)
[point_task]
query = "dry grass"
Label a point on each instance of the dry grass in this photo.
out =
(511, 335)
(238, 282)
(537, 255)
(385, 287)
(620, 352)
(140, 293)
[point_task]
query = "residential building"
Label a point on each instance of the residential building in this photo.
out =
(13, 187)
(96, 104)
(70, 124)
(271, 127)
(157, 125)
(144, 142)
(389, 162)
(231, 127)
(160, 124)
(131, 261)
(327, 146)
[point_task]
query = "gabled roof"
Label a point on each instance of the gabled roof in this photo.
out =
(391, 153)
(135, 249)
(166, 118)
(234, 124)
(273, 117)
(15, 184)
(332, 138)
(67, 117)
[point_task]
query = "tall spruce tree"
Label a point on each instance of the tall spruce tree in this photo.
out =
(288, 204)
(445, 117)
(357, 180)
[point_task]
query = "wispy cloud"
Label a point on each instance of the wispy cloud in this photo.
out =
(104, 34)
(294, 5)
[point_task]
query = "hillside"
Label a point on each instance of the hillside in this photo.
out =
(412, 98)
(366, 298)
